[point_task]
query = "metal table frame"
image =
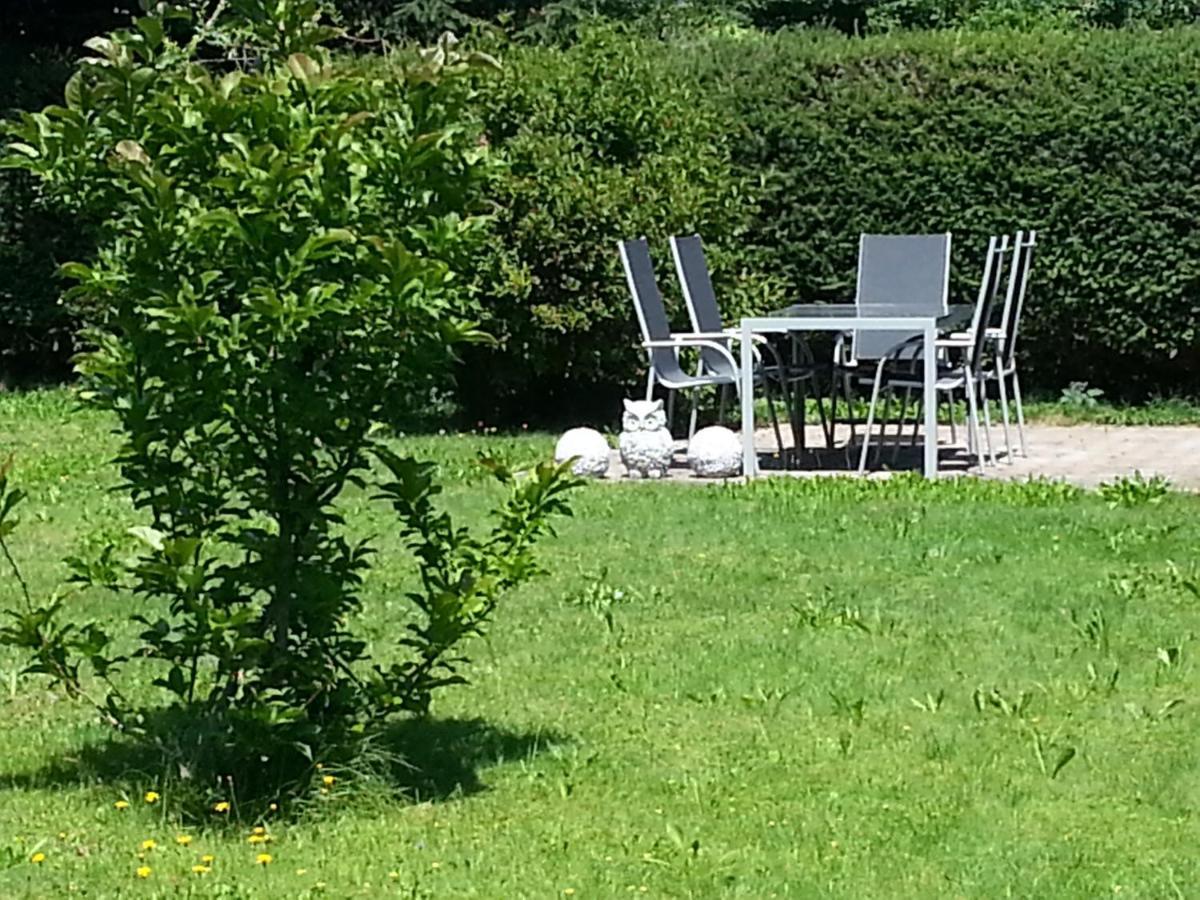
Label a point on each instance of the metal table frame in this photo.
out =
(838, 318)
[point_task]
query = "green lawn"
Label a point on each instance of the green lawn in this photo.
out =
(793, 689)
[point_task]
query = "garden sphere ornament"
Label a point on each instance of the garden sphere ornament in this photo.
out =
(589, 448)
(715, 452)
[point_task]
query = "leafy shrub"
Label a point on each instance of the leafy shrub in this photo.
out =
(610, 139)
(275, 264)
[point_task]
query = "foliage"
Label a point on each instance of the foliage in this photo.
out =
(276, 264)
(1135, 490)
(1085, 137)
(36, 331)
(607, 140)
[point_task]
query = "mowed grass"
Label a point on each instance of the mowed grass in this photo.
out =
(791, 689)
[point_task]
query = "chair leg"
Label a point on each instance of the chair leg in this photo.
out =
(1016, 384)
(826, 424)
(862, 457)
(774, 418)
(1008, 450)
(650, 384)
(981, 386)
(696, 410)
(976, 446)
(671, 412)
(900, 424)
(950, 408)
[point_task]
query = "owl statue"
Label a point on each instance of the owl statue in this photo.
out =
(646, 445)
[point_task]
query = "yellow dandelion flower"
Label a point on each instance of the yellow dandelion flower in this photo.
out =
(263, 859)
(183, 839)
(302, 871)
(62, 835)
(329, 780)
(569, 892)
(259, 829)
(320, 765)
(257, 839)
(393, 875)
(144, 871)
(201, 870)
(222, 807)
(121, 804)
(207, 859)
(38, 858)
(149, 844)
(274, 807)
(435, 865)
(152, 796)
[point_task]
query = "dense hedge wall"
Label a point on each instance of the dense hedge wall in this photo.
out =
(790, 145)
(780, 149)
(1090, 138)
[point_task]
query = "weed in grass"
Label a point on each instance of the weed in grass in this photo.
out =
(1135, 490)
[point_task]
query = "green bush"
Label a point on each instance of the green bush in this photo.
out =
(609, 139)
(276, 264)
(1089, 138)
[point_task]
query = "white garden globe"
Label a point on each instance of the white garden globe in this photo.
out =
(589, 446)
(715, 452)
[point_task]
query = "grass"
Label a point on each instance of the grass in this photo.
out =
(791, 689)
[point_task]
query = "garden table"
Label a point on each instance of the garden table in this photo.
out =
(812, 317)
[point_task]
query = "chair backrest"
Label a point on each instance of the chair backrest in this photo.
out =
(692, 268)
(989, 288)
(648, 304)
(1014, 298)
(904, 274)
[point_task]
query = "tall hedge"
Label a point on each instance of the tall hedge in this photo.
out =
(781, 149)
(1090, 138)
(603, 141)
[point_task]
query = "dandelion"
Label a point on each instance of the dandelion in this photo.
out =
(302, 871)
(149, 844)
(222, 807)
(274, 807)
(62, 835)
(435, 865)
(38, 857)
(569, 892)
(259, 829)
(257, 839)
(263, 859)
(152, 796)
(183, 839)
(207, 859)
(393, 875)
(144, 871)
(201, 870)
(121, 804)
(329, 780)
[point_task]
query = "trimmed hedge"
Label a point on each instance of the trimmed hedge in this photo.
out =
(1090, 138)
(603, 142)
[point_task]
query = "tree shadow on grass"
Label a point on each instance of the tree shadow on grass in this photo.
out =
(422, 760)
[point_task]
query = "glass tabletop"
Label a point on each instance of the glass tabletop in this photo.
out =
(957, 314)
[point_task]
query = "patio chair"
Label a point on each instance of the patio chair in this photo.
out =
(900, 275)
(791, 376)
(897, 367)
(718, 366)
(1003, 337)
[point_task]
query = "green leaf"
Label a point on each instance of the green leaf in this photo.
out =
(151, 537)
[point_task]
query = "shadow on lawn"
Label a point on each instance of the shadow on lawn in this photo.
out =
(423, 760)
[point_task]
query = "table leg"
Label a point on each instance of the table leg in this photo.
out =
(930, 396)
(749, 459)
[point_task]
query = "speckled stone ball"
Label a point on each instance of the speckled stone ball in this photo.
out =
(715, 452)
(589, 446)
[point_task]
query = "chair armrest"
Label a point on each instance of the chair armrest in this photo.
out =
(699, 340)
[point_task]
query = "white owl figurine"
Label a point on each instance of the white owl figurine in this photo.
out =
(646, 445)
